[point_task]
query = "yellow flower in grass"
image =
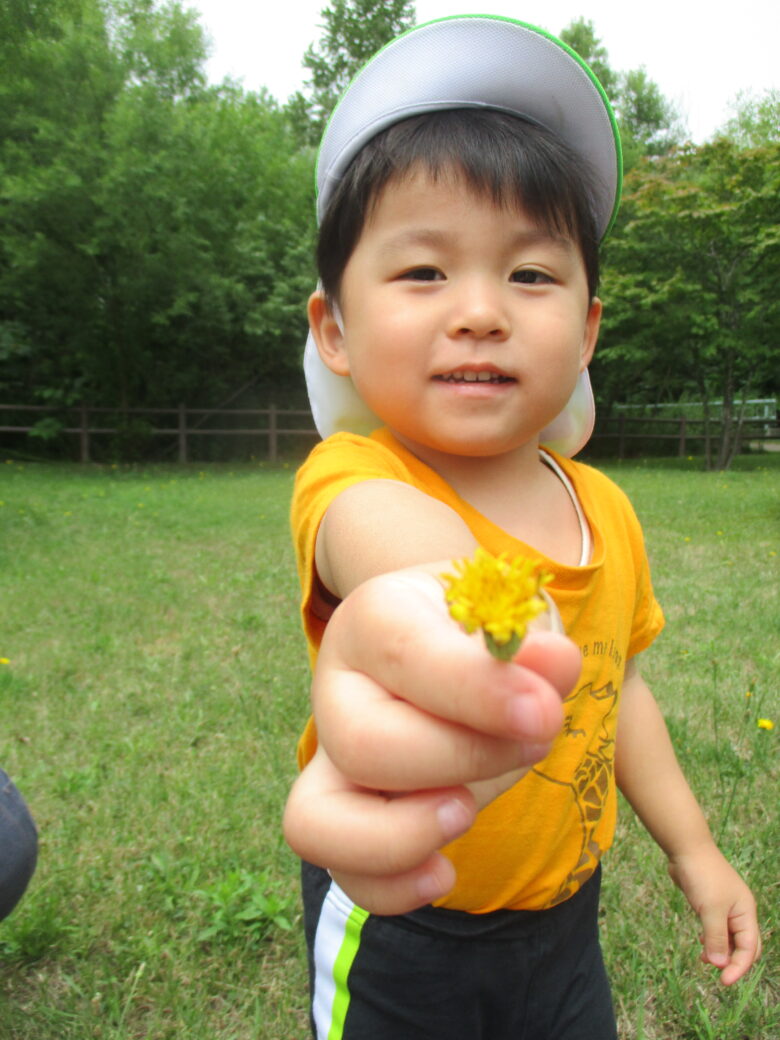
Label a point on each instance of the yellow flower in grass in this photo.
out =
(498, 595)
(766, 724)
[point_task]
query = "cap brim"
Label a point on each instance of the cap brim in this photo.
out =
(478, 61)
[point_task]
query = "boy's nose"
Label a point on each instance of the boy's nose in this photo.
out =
(478, 312)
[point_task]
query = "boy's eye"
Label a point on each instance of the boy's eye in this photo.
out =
(422, 274)
(528, 276)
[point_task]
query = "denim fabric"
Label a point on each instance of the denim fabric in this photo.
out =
(18, 845)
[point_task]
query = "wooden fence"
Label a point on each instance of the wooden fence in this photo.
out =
(683, 432)
(181, 424)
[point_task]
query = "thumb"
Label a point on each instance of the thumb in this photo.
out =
(715, 938)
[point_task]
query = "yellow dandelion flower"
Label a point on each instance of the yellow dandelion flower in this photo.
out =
(5, 660)
(498, 595)
(766, 724)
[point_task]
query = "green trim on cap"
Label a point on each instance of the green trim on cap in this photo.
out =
(532, 28)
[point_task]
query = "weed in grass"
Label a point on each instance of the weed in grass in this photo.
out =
(243, 906)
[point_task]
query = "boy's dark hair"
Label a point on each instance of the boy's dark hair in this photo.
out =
(510, 160)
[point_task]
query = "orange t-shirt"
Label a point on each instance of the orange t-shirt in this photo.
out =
(536, 844)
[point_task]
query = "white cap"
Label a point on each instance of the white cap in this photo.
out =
(469, 61)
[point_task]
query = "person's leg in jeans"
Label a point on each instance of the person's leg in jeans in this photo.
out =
(18, 845)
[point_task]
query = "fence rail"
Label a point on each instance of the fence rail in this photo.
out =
(187, 423)
(682, 430)
(85, 423)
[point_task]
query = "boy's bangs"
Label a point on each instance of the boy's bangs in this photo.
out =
(514, 163)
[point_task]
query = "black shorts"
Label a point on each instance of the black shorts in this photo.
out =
(438, 974)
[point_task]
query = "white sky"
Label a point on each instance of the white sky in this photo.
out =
(700, 56)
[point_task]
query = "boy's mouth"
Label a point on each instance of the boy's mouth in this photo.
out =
(474, 376)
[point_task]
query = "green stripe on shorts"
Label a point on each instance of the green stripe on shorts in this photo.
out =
(341, 967)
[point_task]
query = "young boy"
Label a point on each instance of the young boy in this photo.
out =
(465, 181)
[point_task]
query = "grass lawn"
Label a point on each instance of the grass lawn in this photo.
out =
(155, 684)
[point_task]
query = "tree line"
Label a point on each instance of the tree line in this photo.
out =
(156, 232)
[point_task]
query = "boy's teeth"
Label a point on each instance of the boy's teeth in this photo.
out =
(473, 377)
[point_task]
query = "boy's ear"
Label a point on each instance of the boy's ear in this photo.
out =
(591, 333)
(328, 334)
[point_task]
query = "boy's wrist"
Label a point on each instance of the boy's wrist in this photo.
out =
(691, 849)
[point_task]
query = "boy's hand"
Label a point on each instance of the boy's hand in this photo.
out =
(380, 848)
(404, 699)
(409, 710)
(725, 907)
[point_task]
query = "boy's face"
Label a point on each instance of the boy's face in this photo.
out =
(465, 325)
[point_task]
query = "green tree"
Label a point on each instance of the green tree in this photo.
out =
(353, 30)
(690, 284)
(206, 210)
(756, 119)
(649, 123)
(156, 233)
(580, 35)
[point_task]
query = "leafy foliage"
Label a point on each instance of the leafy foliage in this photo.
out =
(690, 282)
(353, 30)
(756, 119)
(649, 123)
(243, 905)
(156, 233)
(580, 35)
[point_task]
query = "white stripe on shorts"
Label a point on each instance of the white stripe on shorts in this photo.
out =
(335, 944)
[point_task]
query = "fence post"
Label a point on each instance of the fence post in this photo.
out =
(273, 432)
(182, 433)
(621, 437)
(683, 425)
(84, 433)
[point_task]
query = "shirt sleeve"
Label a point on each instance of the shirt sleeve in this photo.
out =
(334, 465)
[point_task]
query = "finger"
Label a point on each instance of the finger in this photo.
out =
(553, 657)
(368, 735)
(340, 827)
(425, 658)
(401, 893)
(715, 937)
(746, 949)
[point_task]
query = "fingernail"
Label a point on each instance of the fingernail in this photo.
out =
(454, 818)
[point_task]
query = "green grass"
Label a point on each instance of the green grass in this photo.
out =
(156, 685)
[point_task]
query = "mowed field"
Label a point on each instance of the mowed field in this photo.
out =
(153, 680)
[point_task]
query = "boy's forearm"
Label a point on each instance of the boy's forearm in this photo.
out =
(649, 775)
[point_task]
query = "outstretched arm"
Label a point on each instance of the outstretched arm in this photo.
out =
(650, 777)
(410, 709)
